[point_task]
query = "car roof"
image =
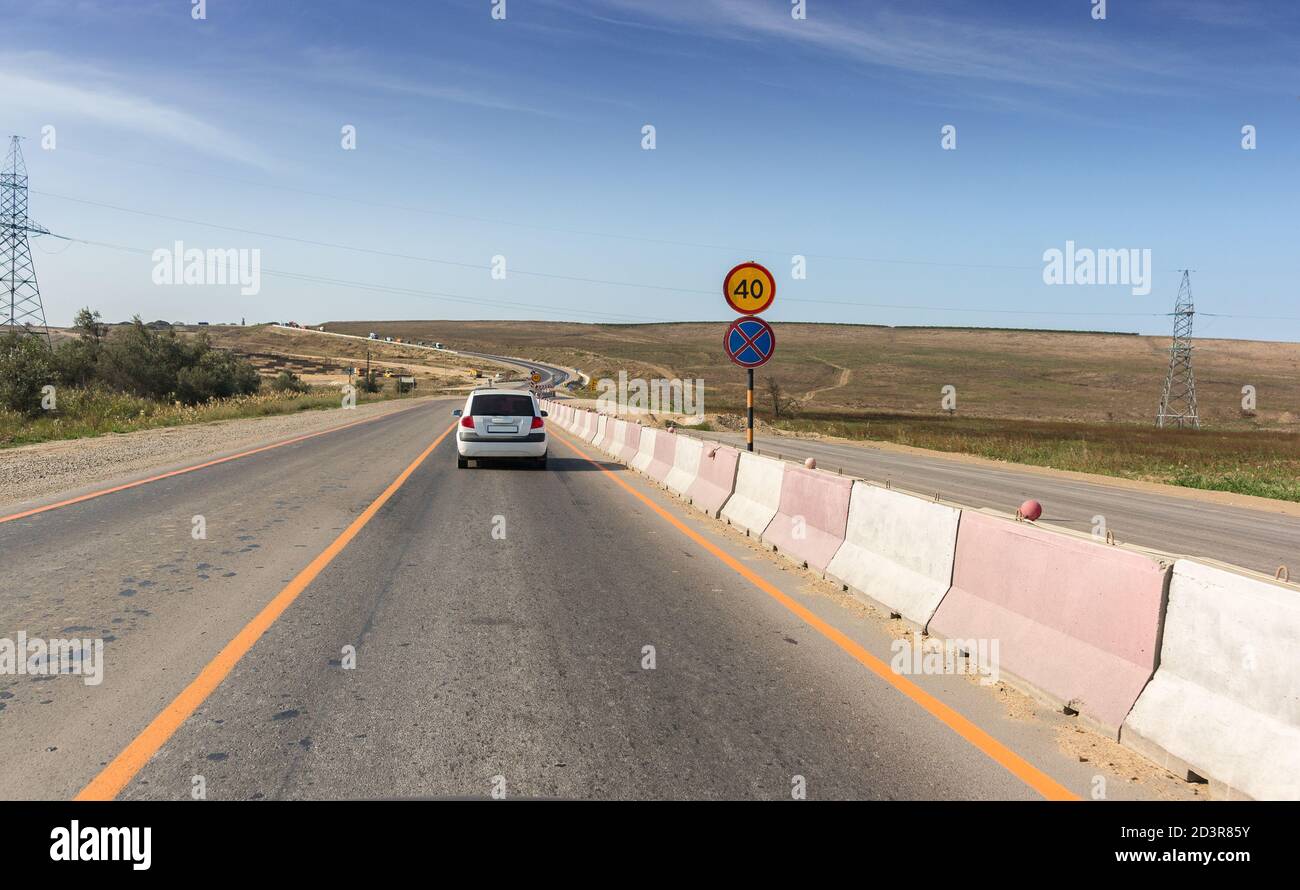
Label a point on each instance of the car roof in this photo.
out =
(500, 392)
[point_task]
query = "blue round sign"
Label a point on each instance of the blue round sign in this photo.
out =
(749, 342)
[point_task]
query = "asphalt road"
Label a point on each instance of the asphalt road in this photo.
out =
(499, 619)
(1255, 539)
(551, 376)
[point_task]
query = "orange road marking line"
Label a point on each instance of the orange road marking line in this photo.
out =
(123, 768)
(212, 463)
(1015, 764)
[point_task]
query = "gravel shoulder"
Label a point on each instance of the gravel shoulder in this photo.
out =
(42, 470)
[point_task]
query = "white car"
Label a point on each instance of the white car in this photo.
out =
(501, 423)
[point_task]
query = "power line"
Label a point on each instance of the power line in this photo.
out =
(450, 297)
(633, 284)
(988, 311)
(749, 251)
(366, 250)
(621, 317)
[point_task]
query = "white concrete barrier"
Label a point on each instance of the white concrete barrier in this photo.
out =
(645, 452)
(598, 432)
(898, 550)
(1225, 699)
(758, 493)
(686, 464)
(607, 439)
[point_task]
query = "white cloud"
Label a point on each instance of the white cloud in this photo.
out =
(1028, 51)
(64, 98)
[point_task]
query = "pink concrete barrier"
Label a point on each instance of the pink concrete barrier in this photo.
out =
(716, 479)
(1077, 621)
(664, 454)
(597, 430)
(809, 523)
(606, 442)
(631, 443)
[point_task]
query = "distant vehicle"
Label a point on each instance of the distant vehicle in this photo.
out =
(374, 336)
(501, 423)
(388, 339)
(203, 322)
(437, 346)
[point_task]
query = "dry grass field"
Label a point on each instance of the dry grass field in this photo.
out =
(325, 360)
(858, 369)
(1077, 401)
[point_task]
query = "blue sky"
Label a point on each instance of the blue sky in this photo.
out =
(522, 138)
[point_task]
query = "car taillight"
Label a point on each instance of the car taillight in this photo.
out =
(467, 422)
(537, 423)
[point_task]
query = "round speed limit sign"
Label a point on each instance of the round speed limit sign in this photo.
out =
(749, 288)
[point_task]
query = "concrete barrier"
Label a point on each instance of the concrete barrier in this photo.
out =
(631, 443)
(606, 441)
(645, 452)
(758, 493)
(898, 550)
(665, 453)
(1225, 701)
(809, 523)
(1077, 621)
(686, 464)
(716, 479)
(621, 434)
(586, 426)
(598, 431)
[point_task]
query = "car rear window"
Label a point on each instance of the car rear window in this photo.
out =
(501, 406)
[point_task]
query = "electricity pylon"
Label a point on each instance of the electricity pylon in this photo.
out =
(25, 314)
(1178, 402)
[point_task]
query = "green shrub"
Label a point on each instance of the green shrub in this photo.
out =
(215, 375)
(76, 362)
(26, 365)
(167, 368)
(287, 381)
